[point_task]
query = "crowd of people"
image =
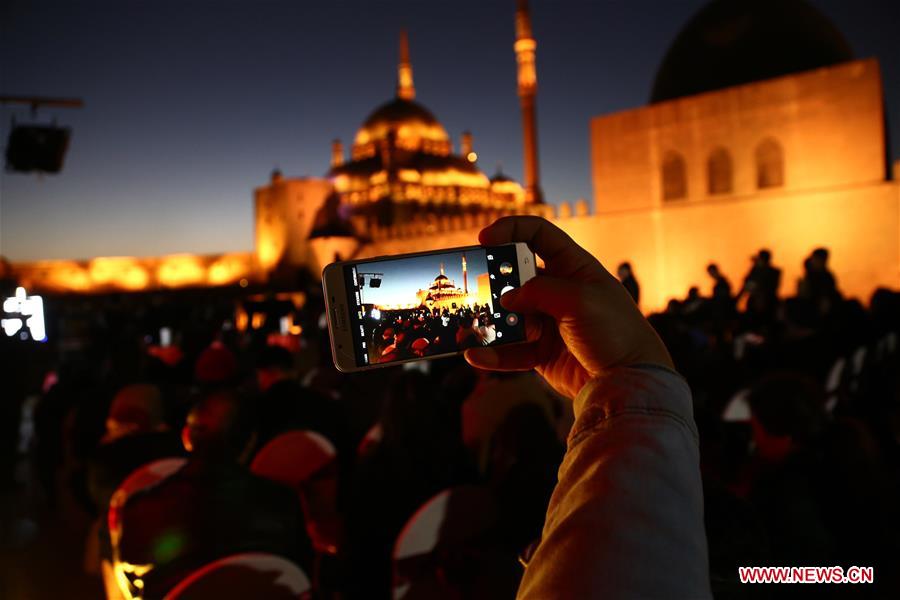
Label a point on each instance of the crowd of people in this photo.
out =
(796, 399)
(420, 332)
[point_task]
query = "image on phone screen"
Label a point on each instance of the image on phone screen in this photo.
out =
(433, 304)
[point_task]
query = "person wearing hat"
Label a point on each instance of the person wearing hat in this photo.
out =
(136, 434)
(213, 506)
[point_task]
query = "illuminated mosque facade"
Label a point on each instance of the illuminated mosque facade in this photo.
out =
(762, 131)
(403, 178)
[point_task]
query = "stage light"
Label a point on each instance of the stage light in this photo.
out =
(361, 280)
(37, 148)
(376, 314)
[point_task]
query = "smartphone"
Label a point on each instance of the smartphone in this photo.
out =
(397, 309)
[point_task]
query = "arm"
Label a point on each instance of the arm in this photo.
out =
(626, 517)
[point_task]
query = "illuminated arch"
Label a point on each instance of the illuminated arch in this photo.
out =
(674, 176)
(718, 172)
(769, 164)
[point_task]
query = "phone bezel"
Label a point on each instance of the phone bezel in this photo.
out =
(335, 290)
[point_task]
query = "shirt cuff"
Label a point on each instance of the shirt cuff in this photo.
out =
(644, 389)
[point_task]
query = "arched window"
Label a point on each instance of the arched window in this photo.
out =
(674, 176)
(769, 164)
(718, 172)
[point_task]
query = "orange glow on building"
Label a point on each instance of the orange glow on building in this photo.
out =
(270, 246)
(107, 273)
(230, 268)
(828, 185)
(181, 270)
(63, 275)
(118, 272)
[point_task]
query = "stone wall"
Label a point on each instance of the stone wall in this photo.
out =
(669, 247)
(829, 123)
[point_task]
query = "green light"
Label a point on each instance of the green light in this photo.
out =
(168, 546)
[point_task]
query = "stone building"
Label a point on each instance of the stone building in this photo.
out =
(762, 131)
(403, 178)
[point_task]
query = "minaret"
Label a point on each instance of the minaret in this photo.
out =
(405, 88)
(337, 153)
(465, 277)
(527, 77)
(465, 147)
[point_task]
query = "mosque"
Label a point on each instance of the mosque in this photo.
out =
(403, 178)
(762, 130)
(443, 293)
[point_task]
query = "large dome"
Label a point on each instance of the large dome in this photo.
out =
(730, 42)
(406, 118)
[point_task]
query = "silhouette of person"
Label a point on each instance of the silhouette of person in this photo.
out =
(626, 276)
(819, 284)
(761, 287)
(722, 287)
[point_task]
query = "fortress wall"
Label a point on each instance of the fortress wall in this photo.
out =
(670, 247)
(126, 273)
(829, 123)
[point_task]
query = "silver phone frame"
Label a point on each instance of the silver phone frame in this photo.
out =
(335, 290)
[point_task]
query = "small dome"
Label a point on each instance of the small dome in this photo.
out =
(441, 277)
(732, 42)
(501, 177)
(403, 117)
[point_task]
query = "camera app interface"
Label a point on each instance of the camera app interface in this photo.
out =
(434, 304)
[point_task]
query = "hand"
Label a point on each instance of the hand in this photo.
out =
(580, 320)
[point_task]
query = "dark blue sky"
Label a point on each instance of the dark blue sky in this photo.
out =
(190, 104)
(403, 278)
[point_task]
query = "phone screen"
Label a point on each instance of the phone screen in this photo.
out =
(427, 305)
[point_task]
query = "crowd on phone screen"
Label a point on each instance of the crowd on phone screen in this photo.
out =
(796, 396)
(420, 332)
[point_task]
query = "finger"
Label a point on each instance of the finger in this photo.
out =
(515, 357)
(563, 257)
(534, 326)
(554, 296)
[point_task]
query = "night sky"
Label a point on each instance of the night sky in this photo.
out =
(190, 104)
(403, 278)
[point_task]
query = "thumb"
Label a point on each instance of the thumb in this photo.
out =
(556, 297)
(516, 357)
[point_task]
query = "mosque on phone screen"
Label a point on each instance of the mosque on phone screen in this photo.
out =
(762, 130)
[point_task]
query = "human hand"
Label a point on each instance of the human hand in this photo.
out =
(581, 321)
